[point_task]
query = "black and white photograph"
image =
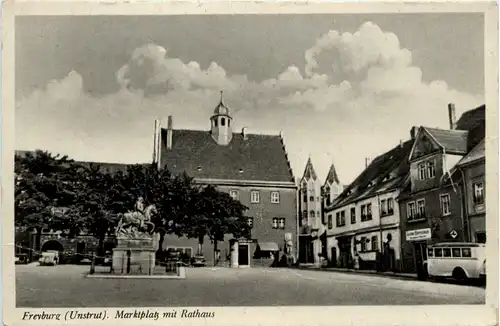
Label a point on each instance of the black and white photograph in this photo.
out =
(251, 160)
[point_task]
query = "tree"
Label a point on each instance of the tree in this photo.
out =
(45, 192)
(215, 214)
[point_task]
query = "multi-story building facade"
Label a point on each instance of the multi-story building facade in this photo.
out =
(363, 221)
(252, 168)
(472, 168)
(433, 200)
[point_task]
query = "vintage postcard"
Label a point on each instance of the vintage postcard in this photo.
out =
(242, 163)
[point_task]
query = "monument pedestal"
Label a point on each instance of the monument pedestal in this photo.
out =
(134, 256)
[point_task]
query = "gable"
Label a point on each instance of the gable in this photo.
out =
(424, 145)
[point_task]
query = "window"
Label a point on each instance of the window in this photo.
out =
(311, 198)
(312, 213)
(281, 223)
(304, 215)
(478, 195)
(438, 252)
(383, 207)
(318, 213)
(254, 196)
(466, 252)
(390, 206)
(363, 244)
(234, 194)
(430, 252)
(431, 172)
(229, 123)
(340, 216)
(446, 252)
(374, 243)
(330, 221)
(304, 195)
(215, 122)
(421, 208)
(275, 222)
(223, 122)
(481, 237)
(275, 197)
(250, 221)
(411, 212)
(422, 172)
(366, 212)
(455, 252)
(353, 215)
(445, 204)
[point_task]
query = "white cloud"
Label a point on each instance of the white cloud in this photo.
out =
(357, 117)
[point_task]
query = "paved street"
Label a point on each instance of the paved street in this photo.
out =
(65, 286)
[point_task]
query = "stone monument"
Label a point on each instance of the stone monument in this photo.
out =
(136, 246)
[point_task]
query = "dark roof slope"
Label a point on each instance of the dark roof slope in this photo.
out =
(386, 172)
(474, 122)
(454, 141)
(256, 158)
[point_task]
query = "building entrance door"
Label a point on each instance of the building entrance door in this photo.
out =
(420, 249)
(306, 255)
(243, 251)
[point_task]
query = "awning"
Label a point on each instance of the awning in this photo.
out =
(268, 246)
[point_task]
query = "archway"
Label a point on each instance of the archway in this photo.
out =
(52, 245)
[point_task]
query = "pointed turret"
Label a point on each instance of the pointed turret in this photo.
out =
(221, 123)
(332, 186)
(332, 176)
(309, 172)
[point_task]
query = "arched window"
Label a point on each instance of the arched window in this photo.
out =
(312, 213)
(228, 122)
(223, 121)
(215, 122)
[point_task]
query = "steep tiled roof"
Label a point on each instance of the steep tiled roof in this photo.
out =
(256, 158)
(474, 122)
(309, 172)
(454, 141)
(475, 154)
(386, 172)
(332, 176)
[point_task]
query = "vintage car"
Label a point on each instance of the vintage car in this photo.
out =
(198, 261)
(21, 259)
(49, 258)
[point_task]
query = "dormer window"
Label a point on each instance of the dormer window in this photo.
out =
(241, 170)
(199, 168)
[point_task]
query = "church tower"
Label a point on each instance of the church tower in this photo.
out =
(221, 122)
(332, 186)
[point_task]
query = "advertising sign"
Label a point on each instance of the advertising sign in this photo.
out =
(420, 234)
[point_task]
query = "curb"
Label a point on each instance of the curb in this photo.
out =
(362, 272)
(144, 277)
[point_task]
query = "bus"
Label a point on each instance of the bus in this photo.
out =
(459, 260)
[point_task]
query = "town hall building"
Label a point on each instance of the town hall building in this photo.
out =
(252, 168)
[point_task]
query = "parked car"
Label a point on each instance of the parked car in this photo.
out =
(21, 259)
(198, 261)
(49, 258)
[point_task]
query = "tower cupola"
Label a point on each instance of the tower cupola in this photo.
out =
(221, 123)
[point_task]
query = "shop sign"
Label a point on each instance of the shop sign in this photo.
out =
(420, 234)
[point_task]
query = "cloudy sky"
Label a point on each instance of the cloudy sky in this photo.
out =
(340, 87)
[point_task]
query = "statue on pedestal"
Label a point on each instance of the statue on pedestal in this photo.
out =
(136, 224)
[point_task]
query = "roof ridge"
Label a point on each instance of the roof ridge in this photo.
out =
(447, 130)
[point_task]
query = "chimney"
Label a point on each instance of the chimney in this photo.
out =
(451, 116)
(367, 162)
(244, 133)
(413, 132)
(155, 142)
(169, 132)
(401, 143)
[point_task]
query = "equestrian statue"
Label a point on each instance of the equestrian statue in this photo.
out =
(137, 223)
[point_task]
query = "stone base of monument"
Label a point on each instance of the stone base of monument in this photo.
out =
(135, 258)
